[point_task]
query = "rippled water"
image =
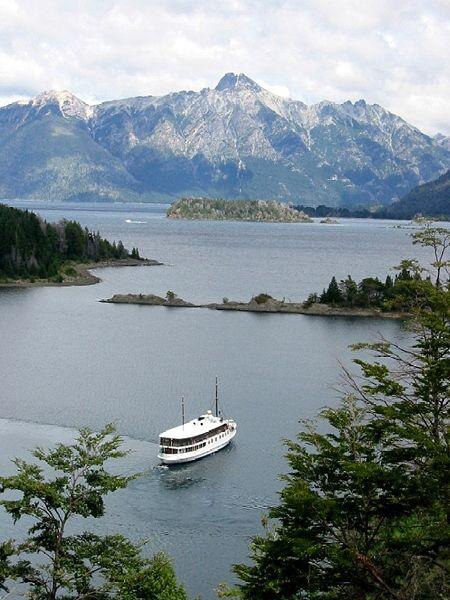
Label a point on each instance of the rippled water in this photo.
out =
(68, 360)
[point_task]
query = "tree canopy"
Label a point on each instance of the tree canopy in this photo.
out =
(32, 248)
(69, 483)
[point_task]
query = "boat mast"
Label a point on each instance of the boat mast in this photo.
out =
(182, 410)
(217, 398)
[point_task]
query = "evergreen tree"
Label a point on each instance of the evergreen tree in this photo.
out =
(30, 247)
(349, 291)
(75, 240)
(365, 510)
(121, 252)
(333, 294)
(135, 253)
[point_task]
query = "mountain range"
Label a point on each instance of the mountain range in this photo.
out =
(237, 140)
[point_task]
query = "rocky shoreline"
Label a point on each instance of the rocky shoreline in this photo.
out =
(271, 305)
(83, 275)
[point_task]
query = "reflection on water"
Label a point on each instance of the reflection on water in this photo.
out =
(177, 481)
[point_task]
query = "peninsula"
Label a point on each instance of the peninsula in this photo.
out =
(236, 210)
(397, 297)
(36, 253)
(262, 303)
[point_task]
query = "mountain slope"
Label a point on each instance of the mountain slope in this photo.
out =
(431, 199)
(236, 140)
(47, 152)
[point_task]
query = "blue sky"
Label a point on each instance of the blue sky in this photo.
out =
(394, 53)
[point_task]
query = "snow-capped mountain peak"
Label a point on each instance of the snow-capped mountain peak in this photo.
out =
(68, 104)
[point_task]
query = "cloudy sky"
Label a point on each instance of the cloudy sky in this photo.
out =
(393, 52)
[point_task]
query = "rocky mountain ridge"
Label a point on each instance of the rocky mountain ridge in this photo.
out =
(235, 140)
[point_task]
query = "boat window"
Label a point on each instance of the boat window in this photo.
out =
(169, 450)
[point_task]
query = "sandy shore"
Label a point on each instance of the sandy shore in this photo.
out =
(271, 306)
(83, 274)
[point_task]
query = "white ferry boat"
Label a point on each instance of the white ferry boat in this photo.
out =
(197, 438)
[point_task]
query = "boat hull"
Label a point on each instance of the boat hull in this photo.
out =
(177, 459)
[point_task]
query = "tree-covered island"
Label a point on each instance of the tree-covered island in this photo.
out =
(33, 251)
(236, 210)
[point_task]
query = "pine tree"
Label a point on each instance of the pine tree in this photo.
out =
(364, 513)
(333, 294)
(349, 291)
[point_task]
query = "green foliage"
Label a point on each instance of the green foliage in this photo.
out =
(135, 254)
(156, 581)
(32, 248)
(332, 295)
(170, 295)
(52, 563)
(312, 299)
(438, 239)
(412, 286)
(74, 240)
(406, 292)
(364, 513)
(261, 298)
(364, 510)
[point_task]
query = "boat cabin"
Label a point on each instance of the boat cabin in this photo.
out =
(194, 435)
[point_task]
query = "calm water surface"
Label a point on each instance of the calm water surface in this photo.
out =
(67, 360)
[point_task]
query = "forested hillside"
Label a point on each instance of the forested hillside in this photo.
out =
(32, 248)
(431, 199)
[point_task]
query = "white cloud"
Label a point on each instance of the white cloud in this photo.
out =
(392, 53)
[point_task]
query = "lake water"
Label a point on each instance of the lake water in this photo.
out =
(67, 360)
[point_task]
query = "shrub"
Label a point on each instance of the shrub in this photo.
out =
(262, 298)
(312, 299)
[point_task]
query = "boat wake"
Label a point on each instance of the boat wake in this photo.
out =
(133, 221)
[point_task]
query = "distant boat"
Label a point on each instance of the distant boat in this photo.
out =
(197, 438)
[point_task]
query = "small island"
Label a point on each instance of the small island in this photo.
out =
(329, 221)
(236, 210)
(36, 253)
(171, 300)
